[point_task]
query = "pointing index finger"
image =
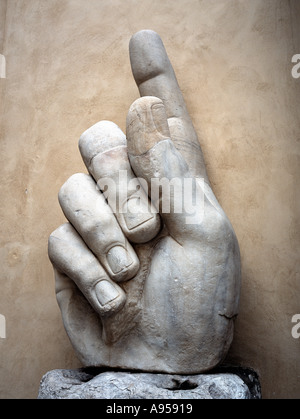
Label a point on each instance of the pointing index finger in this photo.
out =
(154, 76)
(153, 72)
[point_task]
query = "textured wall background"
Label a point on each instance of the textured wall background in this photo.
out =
(67, 67)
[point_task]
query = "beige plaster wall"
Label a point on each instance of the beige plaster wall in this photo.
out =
(68, 67)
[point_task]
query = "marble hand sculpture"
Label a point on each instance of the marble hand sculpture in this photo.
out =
(142, 283)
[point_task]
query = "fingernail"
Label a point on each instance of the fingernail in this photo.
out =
(118, 258)
(146, 125)
(105, 292)
(160, 119)
(136, 213)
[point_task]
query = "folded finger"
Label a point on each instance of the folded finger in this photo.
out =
(104, 151)
(72, 259)
(87, 210)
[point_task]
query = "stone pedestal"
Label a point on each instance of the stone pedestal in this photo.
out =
(91, 383)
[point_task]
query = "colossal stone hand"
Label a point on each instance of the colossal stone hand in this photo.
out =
(137, 289)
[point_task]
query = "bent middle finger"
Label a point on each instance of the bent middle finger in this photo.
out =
(104, 151)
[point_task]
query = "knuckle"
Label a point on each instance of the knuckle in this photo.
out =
(72, 181)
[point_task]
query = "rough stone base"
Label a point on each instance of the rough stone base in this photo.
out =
(89, 383)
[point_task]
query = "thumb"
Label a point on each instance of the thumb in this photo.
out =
(175, 193)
